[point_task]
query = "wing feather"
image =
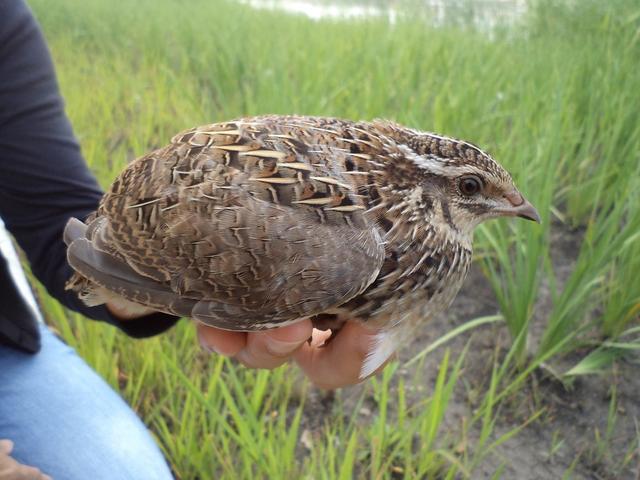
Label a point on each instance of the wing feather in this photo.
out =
(238, 225)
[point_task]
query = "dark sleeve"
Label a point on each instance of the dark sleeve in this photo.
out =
(43, 178)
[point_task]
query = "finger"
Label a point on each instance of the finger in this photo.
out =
(338, 364)
(6, 446)
(11, 469)
(220, 341)
(272, 348)
(24, 472)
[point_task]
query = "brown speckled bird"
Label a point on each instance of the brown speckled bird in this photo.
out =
(259, 222)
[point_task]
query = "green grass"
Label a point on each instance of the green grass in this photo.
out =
(554, 99)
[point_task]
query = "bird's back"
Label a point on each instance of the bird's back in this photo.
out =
(260, 221)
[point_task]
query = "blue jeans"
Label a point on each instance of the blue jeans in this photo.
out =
(65, 420)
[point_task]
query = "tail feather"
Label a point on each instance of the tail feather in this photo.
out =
(101, 276)
(73, 230)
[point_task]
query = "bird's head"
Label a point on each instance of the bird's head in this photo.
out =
(452, 184)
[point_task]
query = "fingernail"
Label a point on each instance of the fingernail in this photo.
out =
(209, 348)
(278, 347)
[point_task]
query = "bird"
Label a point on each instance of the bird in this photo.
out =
(260, 222)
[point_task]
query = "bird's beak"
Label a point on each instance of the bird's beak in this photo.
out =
(520, 207)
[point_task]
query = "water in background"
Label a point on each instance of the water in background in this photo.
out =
(482, 14)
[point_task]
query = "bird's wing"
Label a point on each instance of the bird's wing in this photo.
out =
(241, 225)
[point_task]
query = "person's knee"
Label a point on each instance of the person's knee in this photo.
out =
(120, 448)
(132, 447)
(71, 424)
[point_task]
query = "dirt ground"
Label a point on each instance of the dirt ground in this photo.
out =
(572, 420)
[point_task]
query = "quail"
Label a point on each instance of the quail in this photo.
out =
(259, 222)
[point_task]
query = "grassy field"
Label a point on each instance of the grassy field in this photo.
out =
(554, 98)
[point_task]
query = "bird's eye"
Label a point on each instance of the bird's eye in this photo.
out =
(470, 185)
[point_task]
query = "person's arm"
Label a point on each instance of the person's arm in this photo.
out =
(43, 178)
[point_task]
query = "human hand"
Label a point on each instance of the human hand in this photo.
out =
(337, 364)
(265, 349)
(329, 367)
(10, 469)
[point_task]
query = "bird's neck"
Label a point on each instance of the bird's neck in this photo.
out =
(424, 257)
(420, 221)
